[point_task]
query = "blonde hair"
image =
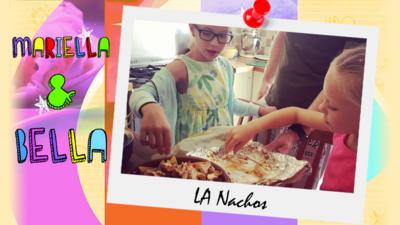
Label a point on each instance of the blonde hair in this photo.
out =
(349, 65)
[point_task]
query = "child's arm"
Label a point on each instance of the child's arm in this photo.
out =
(239, 136)
(242, 108)
(146, 94)
(162, 85)
(237, 106)
(155, 102)
(284, 142)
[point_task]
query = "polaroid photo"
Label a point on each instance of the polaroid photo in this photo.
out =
(204, 71)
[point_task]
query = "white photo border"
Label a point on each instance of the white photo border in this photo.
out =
(281, 202)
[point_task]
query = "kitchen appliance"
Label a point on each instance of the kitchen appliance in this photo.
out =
(141, 74)
(250, 43)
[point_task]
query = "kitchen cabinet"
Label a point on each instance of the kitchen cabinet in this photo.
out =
(247, 81)
(243, 87)
(247, 84)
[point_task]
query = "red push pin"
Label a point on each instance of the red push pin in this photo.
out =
(254, 17)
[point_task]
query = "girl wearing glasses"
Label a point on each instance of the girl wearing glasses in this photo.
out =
(191, 94)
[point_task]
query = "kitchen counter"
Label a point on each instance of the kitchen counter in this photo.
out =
(242, 65)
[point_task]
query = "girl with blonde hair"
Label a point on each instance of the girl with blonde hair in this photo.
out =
(339, 113)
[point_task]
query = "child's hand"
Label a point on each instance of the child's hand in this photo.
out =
(155, 129)
(239, 136)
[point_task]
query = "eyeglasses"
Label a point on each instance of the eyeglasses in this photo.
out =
(206, 35)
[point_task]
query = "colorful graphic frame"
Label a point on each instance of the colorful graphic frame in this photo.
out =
(305, 204)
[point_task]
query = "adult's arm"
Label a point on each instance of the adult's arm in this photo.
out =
(273, 63)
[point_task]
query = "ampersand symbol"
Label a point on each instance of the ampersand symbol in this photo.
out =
(58, 98)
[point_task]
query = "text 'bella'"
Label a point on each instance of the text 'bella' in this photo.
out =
(97, 142)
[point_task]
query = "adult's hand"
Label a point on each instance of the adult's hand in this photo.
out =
(155, 130)
(284, 142)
